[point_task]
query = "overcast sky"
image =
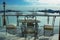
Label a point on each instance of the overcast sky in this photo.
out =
(22, 4)
(32, 2)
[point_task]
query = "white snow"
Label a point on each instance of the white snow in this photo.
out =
(55, 37)
(14, 37)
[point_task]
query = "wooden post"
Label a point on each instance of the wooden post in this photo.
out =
(53, 24)
(48, 20)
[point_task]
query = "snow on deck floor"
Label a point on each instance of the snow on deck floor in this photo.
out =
(55, 37)
(3, 36)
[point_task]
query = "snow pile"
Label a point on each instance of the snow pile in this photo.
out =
(4, 36)
(55, 37)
